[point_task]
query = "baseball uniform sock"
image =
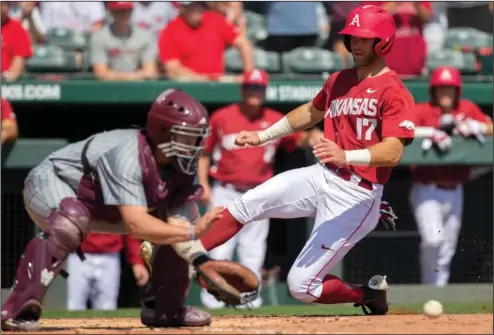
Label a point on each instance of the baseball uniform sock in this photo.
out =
(336, 291)
(222, 230)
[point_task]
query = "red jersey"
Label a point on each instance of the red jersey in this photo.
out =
(202, 49)
(361, 114)
(100, 243)
(428, 115)
(15, 42)
(6, 110)
(245, 166)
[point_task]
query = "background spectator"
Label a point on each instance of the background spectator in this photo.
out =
(75, 15)
(97, 279)
(153, 16)
(10, 131)
(28, 14)
(435, 31)
(120, 51)
(192, 46)
(409, 45)
(16, 46)
(232, 10)
(291, 25)
(473, 14)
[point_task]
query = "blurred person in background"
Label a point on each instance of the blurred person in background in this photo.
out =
(435, 31)
(473, 14)
(408, 55)
(338, 12)
(80, 16)
(232, 10)
(97, 279)
(193, 44)
(291, 25)
(153, 16)
(16, 45)
(121, 51)
(236, 170)
(27, 13)
(10, 131)
(437, 192)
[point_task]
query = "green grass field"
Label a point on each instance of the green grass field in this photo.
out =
(482, 307)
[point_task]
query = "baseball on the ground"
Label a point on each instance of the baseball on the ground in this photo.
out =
(433, 308)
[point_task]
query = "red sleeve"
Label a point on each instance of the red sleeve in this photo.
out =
(228, 30)
(23, 46)
(397, 118)
(319, 101)
(168, 45)
(133, 246)
(7, 111)
(213, 137)
(417, 115)
(476, 113)
(427, 5)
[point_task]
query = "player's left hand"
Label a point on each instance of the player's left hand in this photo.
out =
(329, 152)
(469, 127)
(141, 274)
(388, 216)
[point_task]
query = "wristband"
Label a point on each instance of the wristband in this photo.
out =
(192, 236)
(279, 129)
(358, 157)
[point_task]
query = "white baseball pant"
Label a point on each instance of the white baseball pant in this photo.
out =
(438, 215)
(250, 242)
(96, 279)
(344, 214)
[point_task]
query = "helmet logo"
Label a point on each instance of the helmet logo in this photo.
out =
(255, 75)
(203, 121)
(446, 75)
(355, 21)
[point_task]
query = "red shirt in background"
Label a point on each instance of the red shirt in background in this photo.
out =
(408, 55)
(202, 49)
(15, 42)
(361, 114)
(428, 115)
(6, 110)
(243, 166)
(99, 243)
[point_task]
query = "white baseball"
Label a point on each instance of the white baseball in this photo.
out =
(433, 308)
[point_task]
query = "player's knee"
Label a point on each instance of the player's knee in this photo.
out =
(432, 241)
(298, 287)
(239, 211)
(70, 223)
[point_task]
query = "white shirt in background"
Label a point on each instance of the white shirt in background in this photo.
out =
(75, 15)
(154, 16)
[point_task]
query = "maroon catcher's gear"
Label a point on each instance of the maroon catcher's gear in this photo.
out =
(164, 307)
(178, 125)
(42, 261)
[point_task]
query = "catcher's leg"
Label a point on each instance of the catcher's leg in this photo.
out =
(44, 257)
(165, 303)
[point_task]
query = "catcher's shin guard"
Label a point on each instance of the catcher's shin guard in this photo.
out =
(42, 260)
(164, 305)
(146, 250)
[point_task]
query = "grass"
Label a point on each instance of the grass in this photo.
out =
(289, 310)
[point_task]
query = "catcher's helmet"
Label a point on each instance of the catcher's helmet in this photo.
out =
(178, 125)
(371, 21)
(445, 76)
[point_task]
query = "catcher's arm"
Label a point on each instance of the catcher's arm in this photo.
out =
(228, 281)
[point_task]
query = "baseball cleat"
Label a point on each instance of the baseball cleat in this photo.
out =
(26, 320)
(375, 296)
(188, 316)
(147, 254)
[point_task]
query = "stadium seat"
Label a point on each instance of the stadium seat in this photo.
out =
(467, 39)
(311, 60)
(465, 62)
(266, 60)
(486, 64)
(67, 39)
(51, 58)
(256, 27)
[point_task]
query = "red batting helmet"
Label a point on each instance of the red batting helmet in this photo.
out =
(371, 21)
(445, 76)
(178, 125)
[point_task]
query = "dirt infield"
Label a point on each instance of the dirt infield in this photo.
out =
(396, 324)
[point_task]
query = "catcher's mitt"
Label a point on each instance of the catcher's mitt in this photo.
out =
(230, 282)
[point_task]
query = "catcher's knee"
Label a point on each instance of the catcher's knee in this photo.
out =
(301, 288)
(70, 223)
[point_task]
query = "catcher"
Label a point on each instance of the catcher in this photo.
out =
(135, 181)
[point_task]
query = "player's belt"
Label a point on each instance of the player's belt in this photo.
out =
(347, 175)
(447, 186)
(242, 188)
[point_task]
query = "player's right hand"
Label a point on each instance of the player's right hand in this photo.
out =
(207, 221)
(247, 137)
